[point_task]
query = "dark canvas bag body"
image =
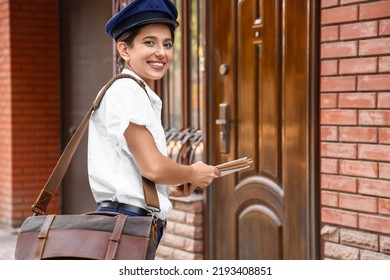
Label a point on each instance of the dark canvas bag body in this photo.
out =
(95, 235)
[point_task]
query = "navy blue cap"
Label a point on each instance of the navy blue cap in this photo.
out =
(141, 12)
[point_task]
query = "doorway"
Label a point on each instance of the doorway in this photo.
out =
(87, 63)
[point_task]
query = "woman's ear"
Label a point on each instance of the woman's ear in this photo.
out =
(123, 50)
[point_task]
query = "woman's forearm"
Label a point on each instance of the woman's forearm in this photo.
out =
(161, 169)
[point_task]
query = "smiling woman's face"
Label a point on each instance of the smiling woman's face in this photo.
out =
(151, 52)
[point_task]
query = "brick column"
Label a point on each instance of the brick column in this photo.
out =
(183, 238)
(29, 104)
(355, 135)
(5, 115)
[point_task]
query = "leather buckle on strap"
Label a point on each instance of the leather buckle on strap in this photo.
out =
(152, 209)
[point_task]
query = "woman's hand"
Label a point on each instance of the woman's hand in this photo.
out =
(203, 174)
(182, 190)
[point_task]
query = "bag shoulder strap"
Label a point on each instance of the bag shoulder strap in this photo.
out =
(41, 203)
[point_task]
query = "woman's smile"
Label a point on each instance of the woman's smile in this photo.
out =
(156, 65)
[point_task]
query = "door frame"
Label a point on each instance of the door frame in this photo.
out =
(313, 79)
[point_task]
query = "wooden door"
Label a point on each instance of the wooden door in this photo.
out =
(263, 66)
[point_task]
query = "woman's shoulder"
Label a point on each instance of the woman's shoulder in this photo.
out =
(125, 85)
(126, 80)
(126, 92)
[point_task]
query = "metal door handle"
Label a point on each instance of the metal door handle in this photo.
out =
(224, 127)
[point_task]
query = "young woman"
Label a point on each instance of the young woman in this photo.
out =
(126, 137)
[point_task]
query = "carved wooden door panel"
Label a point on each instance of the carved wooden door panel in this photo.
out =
(262, 63)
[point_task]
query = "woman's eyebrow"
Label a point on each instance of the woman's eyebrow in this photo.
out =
(155, 38)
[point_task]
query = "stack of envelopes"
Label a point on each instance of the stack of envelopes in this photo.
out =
(234, 165)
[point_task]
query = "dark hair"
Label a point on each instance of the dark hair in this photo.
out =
(128, 38)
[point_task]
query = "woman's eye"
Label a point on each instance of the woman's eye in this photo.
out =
(149, 43)
(168, 45)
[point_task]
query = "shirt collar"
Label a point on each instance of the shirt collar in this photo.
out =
(151, 93)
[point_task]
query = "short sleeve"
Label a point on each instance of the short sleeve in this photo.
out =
(126, 102)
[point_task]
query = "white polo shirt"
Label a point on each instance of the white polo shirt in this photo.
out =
(112, 170)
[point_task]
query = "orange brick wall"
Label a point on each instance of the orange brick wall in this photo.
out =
(29, 103)
(355, 133)
(5, 115)
(183, 238)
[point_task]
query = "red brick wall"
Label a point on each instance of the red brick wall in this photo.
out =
(355, 134)
(5, 115)
(29, 103)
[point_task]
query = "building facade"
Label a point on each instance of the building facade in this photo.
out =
(307, 84)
